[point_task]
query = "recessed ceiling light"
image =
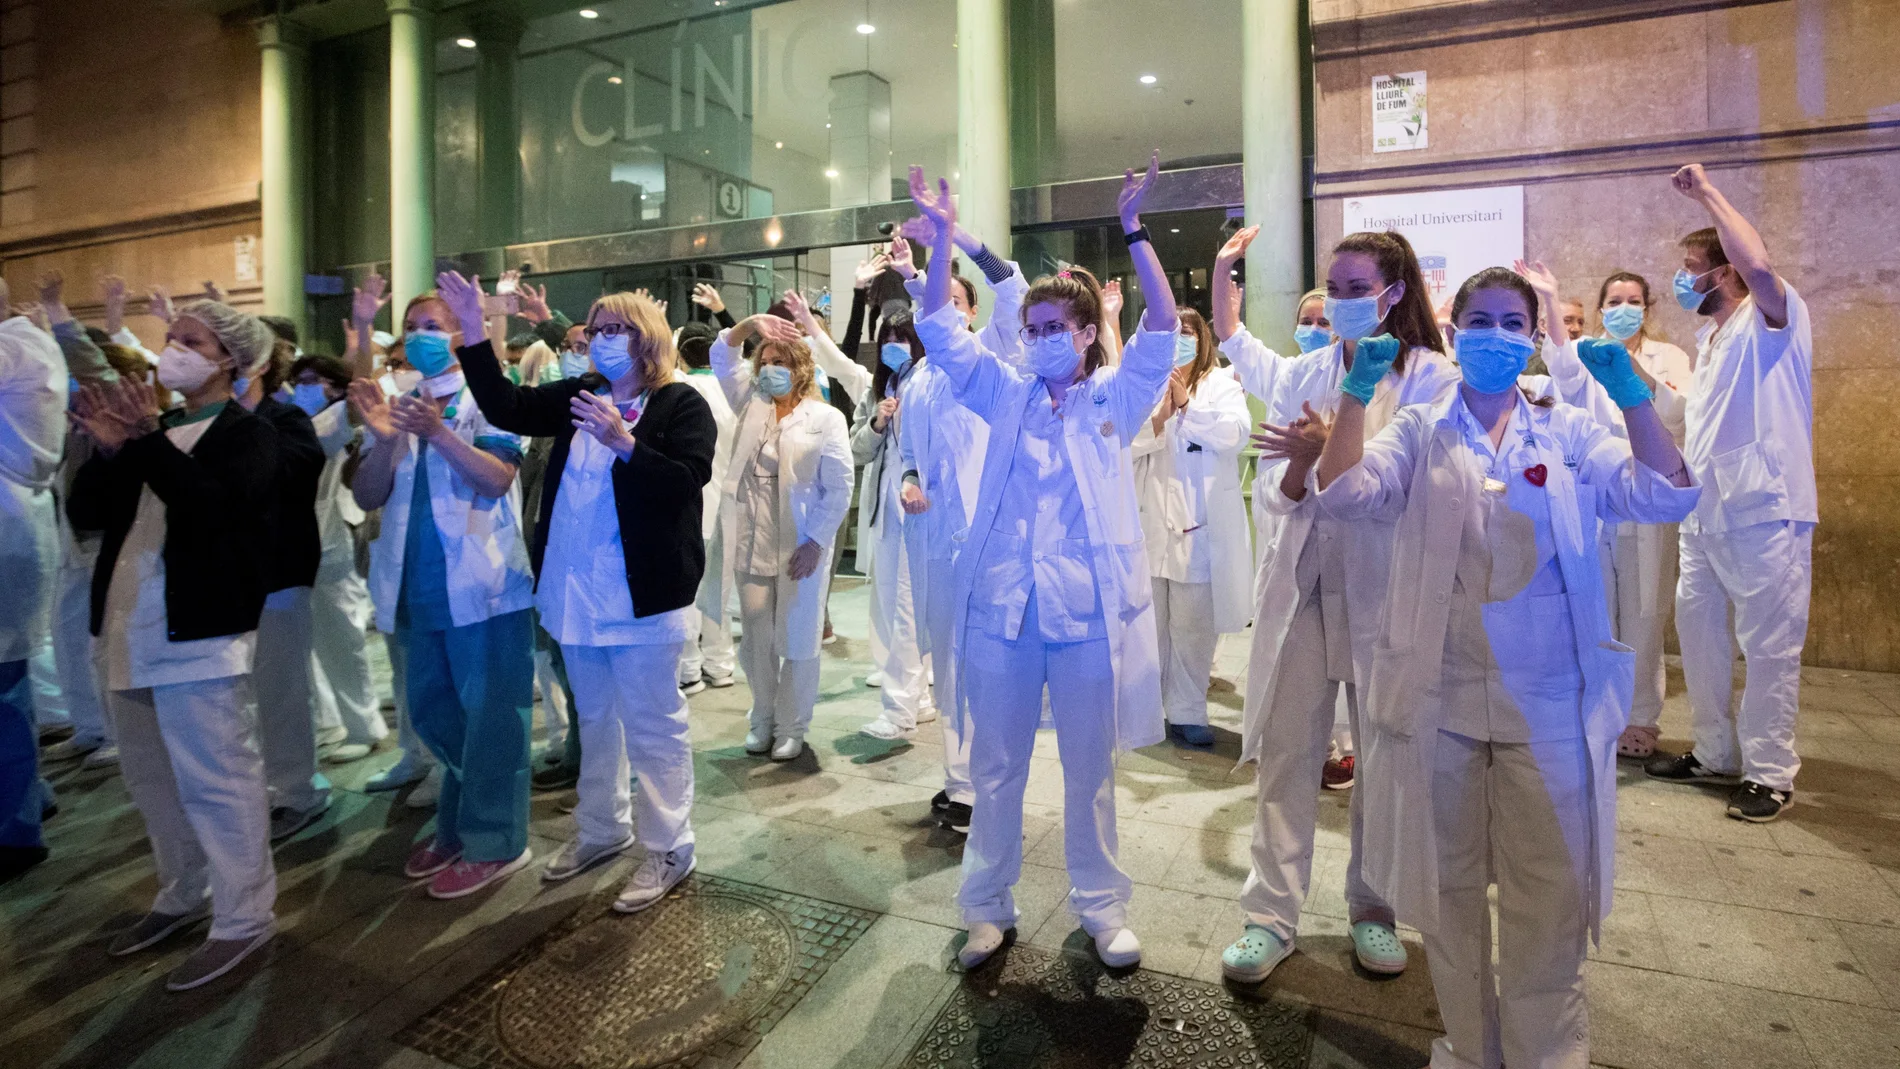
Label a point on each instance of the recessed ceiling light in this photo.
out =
(831, 172)
(588, 13)
(827, 126)
(778, 144)
(465, 42)
(1174, 230)
(1147, 79)
(866, 29)
(614, 80)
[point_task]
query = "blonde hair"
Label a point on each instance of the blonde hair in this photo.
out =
(535, 358)
(654, 358)
(804, 370)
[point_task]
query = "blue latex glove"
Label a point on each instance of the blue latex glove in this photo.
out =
(1609, 363)
(1371, 359)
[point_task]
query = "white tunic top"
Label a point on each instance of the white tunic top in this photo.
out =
(756, 547)
(133, 637)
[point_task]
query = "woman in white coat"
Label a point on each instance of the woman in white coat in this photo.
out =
(1315, 619)
(1639, 560)
(1187, 470)
(1053, 588)
(786, 493)
(1496, 692)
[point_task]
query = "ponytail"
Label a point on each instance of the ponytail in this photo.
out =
(1081, 295)
(1411, 320)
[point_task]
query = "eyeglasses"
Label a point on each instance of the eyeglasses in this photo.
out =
(578, 348)
(611, 330)
(1033, 334)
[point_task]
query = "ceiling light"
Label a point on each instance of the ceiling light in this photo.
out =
(465, 42)
(614, 80)
(831, 172)
(827, 126)
(1147, 79)
(778, 144)
(588, 13)
(1174, 230)
(866, 29)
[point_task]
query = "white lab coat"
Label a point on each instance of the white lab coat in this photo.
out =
(1199, 448)
(814, 487)
(1415, 476)
(486, 556)
(32, 438)
(713, 590)
(1284, 525)
(1103, 415)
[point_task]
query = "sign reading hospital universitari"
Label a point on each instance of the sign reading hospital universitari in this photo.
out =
(1456, 232)
(1398, 112)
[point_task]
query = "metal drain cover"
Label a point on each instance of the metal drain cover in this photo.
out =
(693, 981)
(1042, 1009)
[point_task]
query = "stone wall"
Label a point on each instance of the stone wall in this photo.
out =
(1795, 109)
(144, 126)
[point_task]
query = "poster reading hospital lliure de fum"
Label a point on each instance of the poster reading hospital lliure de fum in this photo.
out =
(1398, 112)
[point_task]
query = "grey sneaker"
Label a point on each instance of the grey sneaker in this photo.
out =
(286, 822)
(214, 959)
(577, 857)
(658, 875)
(151, 929)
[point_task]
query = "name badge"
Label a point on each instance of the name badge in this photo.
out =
(1108, 428)
(1493, 486)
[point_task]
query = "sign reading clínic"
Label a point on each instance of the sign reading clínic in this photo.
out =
(1398, 112)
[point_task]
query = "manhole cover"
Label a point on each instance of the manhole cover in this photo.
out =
(1042, 1009)
(694, 981)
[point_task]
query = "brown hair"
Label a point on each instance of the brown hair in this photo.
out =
(1204, 348)
(1708, 242)
(1410, 320)
(1499, 278)
(804, 369)
(277, 368)
(652, 346)
(1620, 275)
(969, 290)
(1081, 296)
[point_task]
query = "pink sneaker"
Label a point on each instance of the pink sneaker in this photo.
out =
(468, 877)
(425, 861)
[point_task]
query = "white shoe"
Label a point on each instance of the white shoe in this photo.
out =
(71, 749)
(983, 940)
(350, 751)
(1118, 948)
(758, 742)
(426, 792)
(407, 769)
(884, 729)
(717, 682)
(657, 875)
(874, 678)
(577, 857)
(692, 688)
(787, 748)
(106, 756)
(926, 715)
(330, 738)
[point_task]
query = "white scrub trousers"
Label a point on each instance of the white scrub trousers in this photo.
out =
(72, 656)
(710, 652)
(1184, 622)
(1639, 630)
(632, 717)
(1516, 815)
(897, 645)
(1005, 681)
(1287, 778)
(286, 727)
(939, 623)
(1763, 571)
(345, 697)
(784, 691)
(188, 753)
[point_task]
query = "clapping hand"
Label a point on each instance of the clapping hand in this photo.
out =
(938, 207)
(1134, 191)
(159, 303)
(534, 303)
(706, 295)
(112, 294)
(368, 300)
(1300, 441)
(417, 416)
(371, 406)
(597, 416)
(901, 260)
(873, 266)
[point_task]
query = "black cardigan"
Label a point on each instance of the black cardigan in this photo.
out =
(217, 505)
(295, 546)
(657, 492)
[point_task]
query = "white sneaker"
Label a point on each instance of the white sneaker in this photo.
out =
(1118, 948)
(330, 738)
(407, 769)
(106, 756)
(717, 682)
(692, 688)
(926, 715)
(874, 678)
(758, 742)
(983, 940)
(71, 749)
(882, 728)
(658, 874)
(787, 748)
(426, 792)
(348, 752)
(577, 857)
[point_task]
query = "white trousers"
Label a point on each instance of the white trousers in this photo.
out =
(709, 650)
(188, 753)
(407, 740)
(1641, 631)
(72, 656)
(547, 683)
(1763, 572)
(1287, 786)
(939, 627)
(339, 644)
(632, 717)
(1517, 816)
(1006, 681)
(1184, 621)
(1342, 745)
(784, 691)
(897, 644)
(42, 673)
(280, 676)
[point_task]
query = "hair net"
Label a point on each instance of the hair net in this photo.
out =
(243, 335)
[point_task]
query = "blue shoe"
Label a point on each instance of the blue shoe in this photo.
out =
(1251, 957)
(1193, 734)
(1378, 948)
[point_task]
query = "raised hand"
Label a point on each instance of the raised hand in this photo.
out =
(938, 207)
(1609, 363)
(462, 295)
(371, 406)
(369, 299)
(214, 292)
(1540, 277)
(796, 304)
(1134, 191)
(1371, 359)
(873, 266)
(1112, 299)
(598, 417)
(918, 229)
(112, 294)
(159, 303)
(1236, 245)
(1693, 182)
(534, 303)
(706, 295)
(766, 327)
(52, 295)
(901, 260)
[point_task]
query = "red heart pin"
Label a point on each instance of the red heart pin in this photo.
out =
(1536, 476)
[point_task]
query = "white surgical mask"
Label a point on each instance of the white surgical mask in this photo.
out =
(443, 385)
(1053, 357)
(399, 383)
(184, 369)
(1355, 317)
(574, 365)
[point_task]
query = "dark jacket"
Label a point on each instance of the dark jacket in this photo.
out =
(217, 505)
(295, 546)
(656, 492)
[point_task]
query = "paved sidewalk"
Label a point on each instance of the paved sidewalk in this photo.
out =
(1731, 945)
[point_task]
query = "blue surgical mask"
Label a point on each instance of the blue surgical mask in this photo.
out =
(1312, 336)
(1622, 321)
(775, 380)
(428, 351)
(310, 397)
(1355, 317)
(1686, 294)
(1186, 348)
(1053, 357)
(612, 357)
(1491, 358)
(574, 365)
(894, 355)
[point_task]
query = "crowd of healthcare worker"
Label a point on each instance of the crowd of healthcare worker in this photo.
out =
(1469, 528)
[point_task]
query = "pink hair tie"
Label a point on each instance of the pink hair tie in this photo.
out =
(1064, 273)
